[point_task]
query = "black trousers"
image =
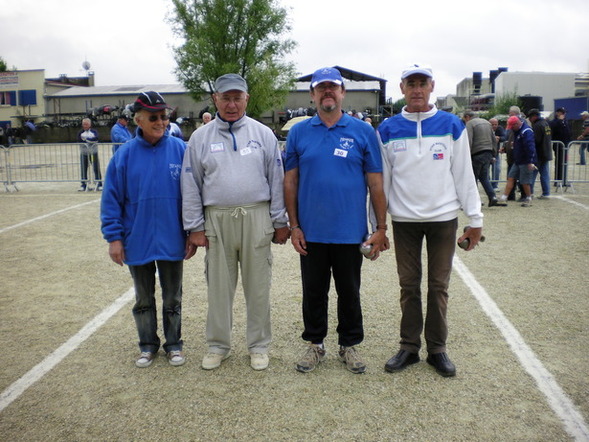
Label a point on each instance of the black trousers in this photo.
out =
(345, 262)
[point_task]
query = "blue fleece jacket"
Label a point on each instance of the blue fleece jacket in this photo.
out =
(524, 146)
(141, 201)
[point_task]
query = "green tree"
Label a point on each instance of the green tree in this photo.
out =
(234, 36)
(3, 66)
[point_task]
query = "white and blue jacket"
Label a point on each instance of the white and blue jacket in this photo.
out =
(427, 168)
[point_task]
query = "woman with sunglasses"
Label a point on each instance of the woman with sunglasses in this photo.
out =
(141, 215)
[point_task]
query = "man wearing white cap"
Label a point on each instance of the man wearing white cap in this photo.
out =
(428, 180)
(233, 205)
(331, 160)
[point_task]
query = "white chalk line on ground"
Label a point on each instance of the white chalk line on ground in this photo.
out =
(576, 203)
(560, 403)
(38, 371)
(42, 217)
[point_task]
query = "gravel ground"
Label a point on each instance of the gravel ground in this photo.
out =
(56, 276)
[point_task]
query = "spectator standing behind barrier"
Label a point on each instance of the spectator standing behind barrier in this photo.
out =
(428, 180)
(89, 154)
(559, 127)
(120, 133)
(233, 204)
(508, 148)
(500, 138)
(524, 156)
(331, 159)
(29, 127)
(482, 143)
(175, 130)
(583, 137)
(543, 143)
(10, 134)
(141, 214)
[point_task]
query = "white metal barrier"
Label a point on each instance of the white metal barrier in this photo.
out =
(59, 162)
(576, 167)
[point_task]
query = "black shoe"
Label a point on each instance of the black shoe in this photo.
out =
(442, 363)
(496, 202)
(400, 361)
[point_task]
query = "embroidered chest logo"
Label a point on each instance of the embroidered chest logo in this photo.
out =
(175, 171)
(399, 146)
(345, 145)
(438, 151)
(217, 147)
(253, 144)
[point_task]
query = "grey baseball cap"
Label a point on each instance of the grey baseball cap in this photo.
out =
(230, 82)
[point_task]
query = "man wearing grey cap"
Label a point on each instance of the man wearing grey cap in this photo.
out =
(233, 205)
(428, 180)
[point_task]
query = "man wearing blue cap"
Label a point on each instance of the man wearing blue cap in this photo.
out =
(233, 205)
(428, 180)
(331, 159)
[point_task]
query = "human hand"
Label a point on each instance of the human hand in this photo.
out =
(189, 249)
(470, 238)
(116, 251)
(198, 239)
(281, 235)
(379, 242)
(297, 238)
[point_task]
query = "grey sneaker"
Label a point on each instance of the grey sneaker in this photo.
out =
(213, 360)
(259, 361)
(145, 359)
(352, 359)
(312, 356)
(527, 202)
(176, 358)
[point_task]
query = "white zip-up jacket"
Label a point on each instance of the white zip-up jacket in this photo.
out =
(230, 165)
(427, 169)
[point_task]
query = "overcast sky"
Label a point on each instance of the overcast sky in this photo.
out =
(129, 42)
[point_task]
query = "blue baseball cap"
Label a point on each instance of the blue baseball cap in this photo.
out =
(326, 74)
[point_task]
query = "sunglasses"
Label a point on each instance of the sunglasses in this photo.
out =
(154, 118)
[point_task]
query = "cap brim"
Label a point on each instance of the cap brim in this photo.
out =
(416, 72)
(336, 81)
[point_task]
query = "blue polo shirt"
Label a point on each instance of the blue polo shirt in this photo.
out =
(332, 163)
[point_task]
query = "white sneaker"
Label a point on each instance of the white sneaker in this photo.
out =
(213, 360)
(176, 358)
(259, 361)
(145, 359)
